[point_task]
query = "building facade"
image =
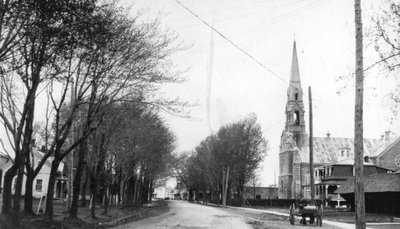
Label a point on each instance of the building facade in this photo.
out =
(41, 181)
(294, 172)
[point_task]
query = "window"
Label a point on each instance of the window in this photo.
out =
(296, 116)
(342, 153)
(258, 197)
(39, 185)
(296, 96)
(348, 153)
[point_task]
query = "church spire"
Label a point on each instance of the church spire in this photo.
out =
(294, 72)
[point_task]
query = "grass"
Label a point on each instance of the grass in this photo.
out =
(115, 216)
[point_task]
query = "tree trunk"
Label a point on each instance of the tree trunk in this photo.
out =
(77, 181)
(7, 187)
(93, 190)
(151, 191)
(28, 208)
(358, 122)
(84, 186)
(106, 201)
(50, 188)
(130, 191)
(20, 162)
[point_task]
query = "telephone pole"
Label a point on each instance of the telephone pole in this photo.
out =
(358, 122)
(311, 146)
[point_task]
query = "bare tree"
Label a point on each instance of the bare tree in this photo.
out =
(39, 42)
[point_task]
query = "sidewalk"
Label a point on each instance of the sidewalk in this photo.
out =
(333, 223)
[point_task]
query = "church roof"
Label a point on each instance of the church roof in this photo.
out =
(325, 148)
(294, 72)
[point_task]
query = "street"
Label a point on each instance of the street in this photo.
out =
(188, 215)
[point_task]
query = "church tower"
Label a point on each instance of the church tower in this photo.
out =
(295, 106)
(294, 134)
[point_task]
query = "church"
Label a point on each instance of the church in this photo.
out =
(294, 174)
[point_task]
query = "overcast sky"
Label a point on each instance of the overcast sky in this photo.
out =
(324, 32)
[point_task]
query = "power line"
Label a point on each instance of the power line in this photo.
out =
(236, 46)
(244, 14)
(277, 19)
(220, 10)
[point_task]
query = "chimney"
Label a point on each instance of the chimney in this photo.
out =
(328, 135)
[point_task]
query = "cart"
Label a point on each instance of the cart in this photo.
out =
(306, 209)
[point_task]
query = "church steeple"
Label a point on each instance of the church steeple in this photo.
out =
(295, 107)
(295, 93)
(294, 73)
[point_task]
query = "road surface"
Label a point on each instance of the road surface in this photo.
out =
(188, 215)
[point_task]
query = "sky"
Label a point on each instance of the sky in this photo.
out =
(237, 85)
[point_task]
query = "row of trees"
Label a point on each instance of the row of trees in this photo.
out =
(95, 71)
(238, 146)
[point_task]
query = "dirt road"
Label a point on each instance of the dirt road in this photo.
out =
(188, 215)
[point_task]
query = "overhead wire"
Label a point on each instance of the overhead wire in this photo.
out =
(231, 42)
(289, 14)
(284, 17)
(246, 14)
(220, 10)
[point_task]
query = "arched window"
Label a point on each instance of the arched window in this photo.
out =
(296, 117)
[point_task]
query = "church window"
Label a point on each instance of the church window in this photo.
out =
(296, 96)
(296, 117)
(397, 161)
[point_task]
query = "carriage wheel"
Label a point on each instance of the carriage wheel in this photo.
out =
(312, 219)
(291, 214)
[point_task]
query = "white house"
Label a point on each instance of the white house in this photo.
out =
(169, 187)
(41, 181)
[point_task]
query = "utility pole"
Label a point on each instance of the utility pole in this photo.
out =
(225, 187)
(311, 146)
(358, 122)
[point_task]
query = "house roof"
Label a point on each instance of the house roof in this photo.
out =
(5, 162)
(380, 182)
(349, 161)
(384, 146)
(325, 148)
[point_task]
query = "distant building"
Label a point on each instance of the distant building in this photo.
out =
(260, 192)
(41, 181)
(170, 187)
(330, 177)
(294, 147)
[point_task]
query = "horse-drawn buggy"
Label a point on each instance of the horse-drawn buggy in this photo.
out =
(307, 208)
